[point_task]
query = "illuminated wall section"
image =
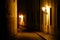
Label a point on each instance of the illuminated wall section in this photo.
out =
(12, 10)
(51, 28)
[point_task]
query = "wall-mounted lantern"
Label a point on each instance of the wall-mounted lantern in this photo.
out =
(46, 9)
(43, 9)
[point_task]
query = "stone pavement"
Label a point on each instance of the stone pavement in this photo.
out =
(33, 36)
(46, 36)
(28, 36)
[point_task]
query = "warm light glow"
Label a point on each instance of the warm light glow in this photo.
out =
(47, 19)
(47, 9)
(43, 8)
(46, 15)
(21, 17)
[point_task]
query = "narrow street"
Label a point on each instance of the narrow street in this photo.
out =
(30, 19)
(27, 36)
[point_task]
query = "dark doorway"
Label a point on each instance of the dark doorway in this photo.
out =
(58, 17)
(58, 20)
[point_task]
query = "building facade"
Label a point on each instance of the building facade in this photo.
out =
(48, 16)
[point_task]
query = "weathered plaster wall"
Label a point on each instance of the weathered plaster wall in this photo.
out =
(52, 27)
(12, 16)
